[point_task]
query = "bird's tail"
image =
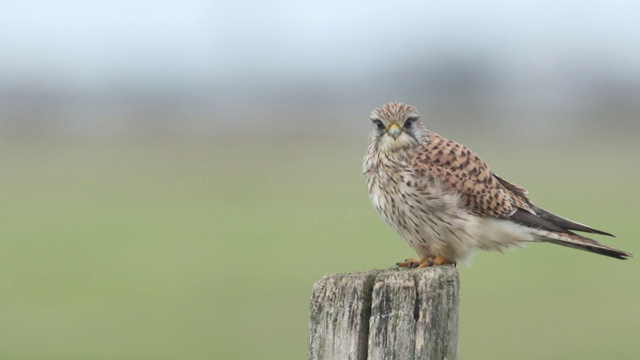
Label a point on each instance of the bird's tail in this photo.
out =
(580, 242)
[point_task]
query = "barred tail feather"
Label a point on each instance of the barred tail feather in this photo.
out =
(580, 242)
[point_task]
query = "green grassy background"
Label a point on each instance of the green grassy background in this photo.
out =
(207, 248)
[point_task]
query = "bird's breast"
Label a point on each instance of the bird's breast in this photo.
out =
(392, 192)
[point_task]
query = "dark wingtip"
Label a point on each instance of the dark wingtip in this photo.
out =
(566, 223)
(596, 231)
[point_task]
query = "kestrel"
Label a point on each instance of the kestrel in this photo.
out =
(445, 202)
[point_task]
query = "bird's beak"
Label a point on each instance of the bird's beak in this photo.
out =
(394, 130)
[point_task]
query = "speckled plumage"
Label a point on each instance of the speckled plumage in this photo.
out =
(444, 201)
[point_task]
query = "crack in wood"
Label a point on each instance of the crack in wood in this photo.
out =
(386, 314)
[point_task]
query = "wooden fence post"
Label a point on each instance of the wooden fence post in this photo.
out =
(386, 314)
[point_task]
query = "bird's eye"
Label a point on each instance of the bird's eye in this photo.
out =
(410, 121)
(378, 123)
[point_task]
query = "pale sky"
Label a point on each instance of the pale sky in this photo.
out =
(89, 43)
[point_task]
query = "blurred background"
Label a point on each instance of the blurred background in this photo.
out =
(176, 175)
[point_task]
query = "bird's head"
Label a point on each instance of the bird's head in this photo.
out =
(396, 126)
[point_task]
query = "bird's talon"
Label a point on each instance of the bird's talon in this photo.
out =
(424, 263)
(409, 263)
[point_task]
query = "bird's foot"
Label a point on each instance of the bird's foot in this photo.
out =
(423, 263)
(440, 260)
(411, 263)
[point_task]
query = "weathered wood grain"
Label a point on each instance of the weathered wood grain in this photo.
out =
(340, 310)
(386, 314)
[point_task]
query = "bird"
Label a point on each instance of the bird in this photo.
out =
(446, 203)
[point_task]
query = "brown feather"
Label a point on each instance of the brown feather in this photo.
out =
(461, 171)
(485, 193)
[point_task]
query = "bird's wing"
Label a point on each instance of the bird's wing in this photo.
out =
(484, 193)
(543, 217)
(461, 171)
